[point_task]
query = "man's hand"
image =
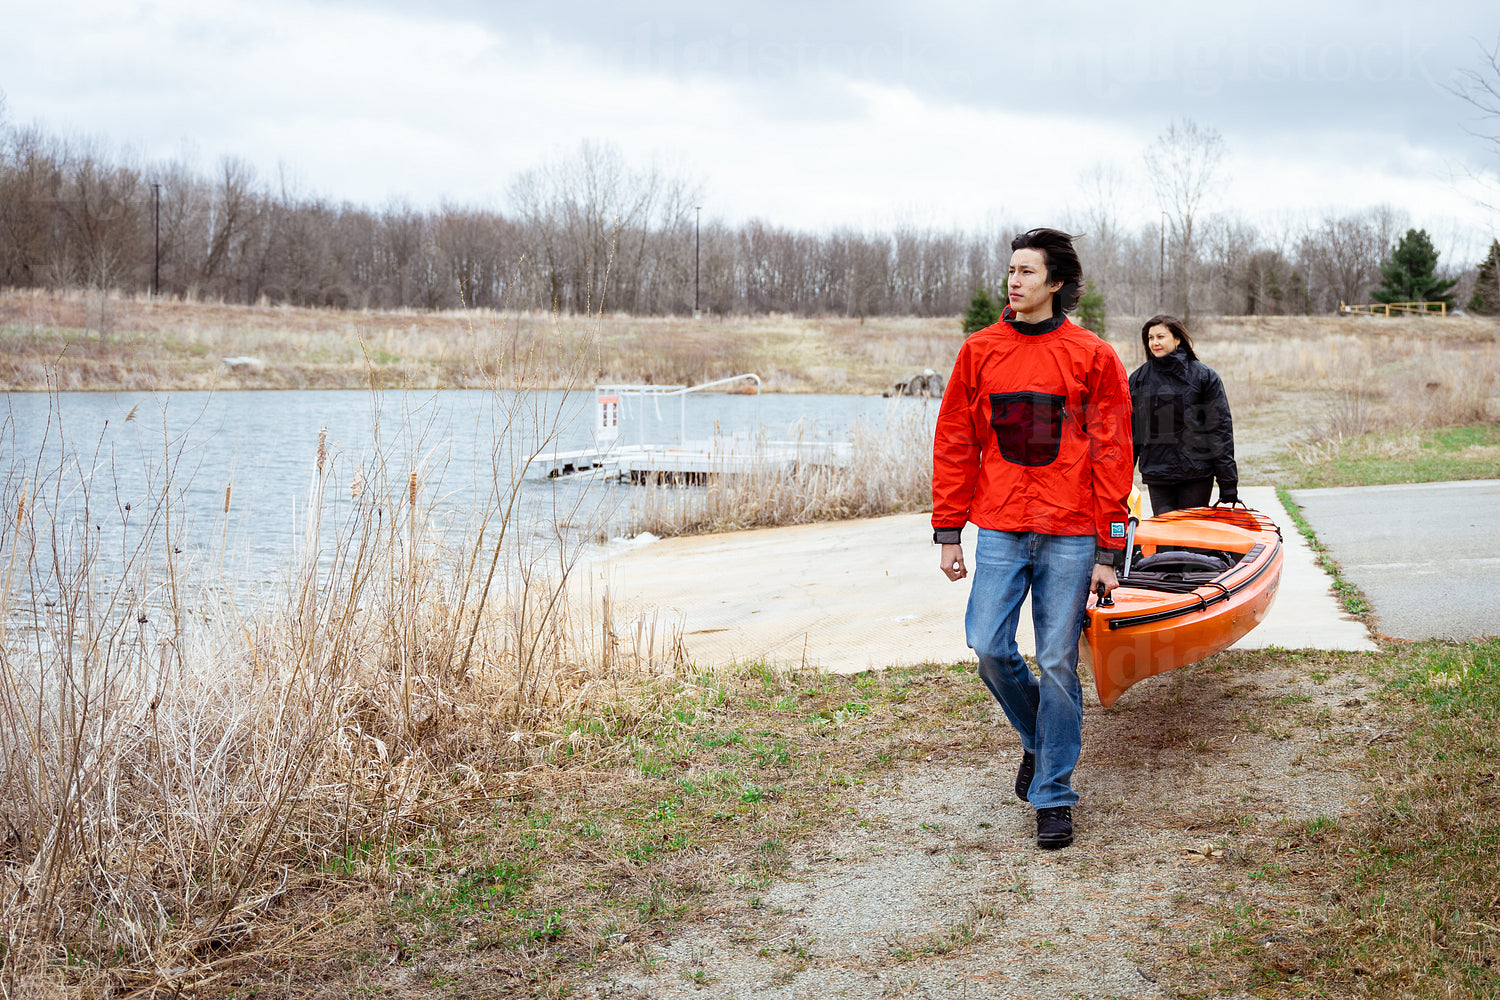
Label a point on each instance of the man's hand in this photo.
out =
(951, 562)
(1102, 574)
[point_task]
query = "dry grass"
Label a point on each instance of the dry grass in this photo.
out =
(1372, 375)
(1400, 447)
(54, 340)
(631, 833)
(1400, 898)
(408, 774)
(176, 769)
(890, 472)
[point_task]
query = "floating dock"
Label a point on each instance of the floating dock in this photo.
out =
(693, 463)
(682, 462)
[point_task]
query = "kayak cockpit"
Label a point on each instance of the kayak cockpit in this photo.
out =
(1197, 581)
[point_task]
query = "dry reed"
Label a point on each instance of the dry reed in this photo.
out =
(889, 471)
(175, 769)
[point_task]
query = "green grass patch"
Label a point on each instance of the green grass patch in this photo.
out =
(487, 893)
(1424, 887)
(1450, 453)
(1351, 598)
(1401, 898)
(709, 794)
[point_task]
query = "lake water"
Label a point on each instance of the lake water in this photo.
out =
(109, 458)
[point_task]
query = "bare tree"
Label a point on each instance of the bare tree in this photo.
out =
(1345, 252)
(591, 232)
(722, 290)
(31, 178)
(180, 217)
(592, 219)
(1102, 185)
(398, 249)
(1480, 88)
(1228, 245)
(1185, 164)
(230, 206)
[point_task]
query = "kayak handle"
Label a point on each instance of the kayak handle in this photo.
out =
(1105, 601)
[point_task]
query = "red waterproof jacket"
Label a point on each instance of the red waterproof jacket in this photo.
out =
(1034, 435)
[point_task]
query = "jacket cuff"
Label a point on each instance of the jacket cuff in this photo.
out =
(1109, 557)
(947, 536)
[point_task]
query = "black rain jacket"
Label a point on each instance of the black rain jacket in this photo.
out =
(1181, 423)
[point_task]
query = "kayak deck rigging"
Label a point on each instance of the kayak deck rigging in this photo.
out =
(1197, 581)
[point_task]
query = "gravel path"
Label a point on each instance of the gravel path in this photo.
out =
(934, 888)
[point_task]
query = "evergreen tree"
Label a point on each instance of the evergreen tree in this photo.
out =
(982, 312)
(1486, 300)
(1409, 273)
(1091, 309)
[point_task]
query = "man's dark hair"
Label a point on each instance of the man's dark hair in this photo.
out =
(1056, 248)
(1173, 324)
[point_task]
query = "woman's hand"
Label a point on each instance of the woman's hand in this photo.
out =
(951, 562)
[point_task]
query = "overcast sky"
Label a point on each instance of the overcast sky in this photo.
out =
(937, 113)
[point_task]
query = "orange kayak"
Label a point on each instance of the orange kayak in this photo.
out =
(1198, 580)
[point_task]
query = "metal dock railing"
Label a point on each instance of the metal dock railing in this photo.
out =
(684, 461)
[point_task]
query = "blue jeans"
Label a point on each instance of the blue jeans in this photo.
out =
(1047, 713)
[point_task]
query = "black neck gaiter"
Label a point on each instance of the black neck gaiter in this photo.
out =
(1033, 329)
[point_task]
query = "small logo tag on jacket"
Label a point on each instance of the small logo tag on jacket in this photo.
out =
(1117, 529)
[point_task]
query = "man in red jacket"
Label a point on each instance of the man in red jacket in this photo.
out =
(1033, 447)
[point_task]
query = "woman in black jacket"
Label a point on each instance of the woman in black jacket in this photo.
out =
(1184, 438)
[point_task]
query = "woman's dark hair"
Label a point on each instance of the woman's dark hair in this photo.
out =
(1056, 248)
(1173, 324)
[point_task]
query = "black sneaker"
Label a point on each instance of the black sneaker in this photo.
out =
(1054, 827)
(1024, 773)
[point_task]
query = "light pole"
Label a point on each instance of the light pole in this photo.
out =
(156, 240)
(697, 243)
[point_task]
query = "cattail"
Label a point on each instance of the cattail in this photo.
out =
(21, 505)
(358, 486)
(227, 488)
(322, 447)
(411, 489)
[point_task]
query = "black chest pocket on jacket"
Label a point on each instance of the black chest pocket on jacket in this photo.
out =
(1028, 426)
(1166, 419)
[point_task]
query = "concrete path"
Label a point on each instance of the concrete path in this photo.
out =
(852, 595)
(1426, 555)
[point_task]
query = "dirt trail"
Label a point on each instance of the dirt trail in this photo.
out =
(934, 888)
(1263, 433)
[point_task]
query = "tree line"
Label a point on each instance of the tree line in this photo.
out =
(591, 232)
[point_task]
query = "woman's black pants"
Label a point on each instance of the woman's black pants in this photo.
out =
(1184, 493)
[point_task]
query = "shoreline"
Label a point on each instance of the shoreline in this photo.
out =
(386, 386)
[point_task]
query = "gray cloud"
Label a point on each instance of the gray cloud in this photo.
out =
(1276, 67)
(1357, 88)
